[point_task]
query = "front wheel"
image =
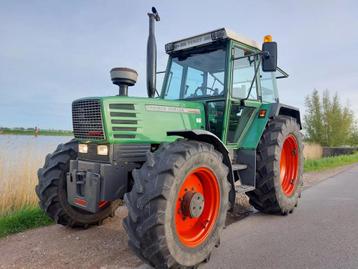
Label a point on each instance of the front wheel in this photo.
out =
(178, 204)
(52, 192)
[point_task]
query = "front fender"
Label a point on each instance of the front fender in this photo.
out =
(208, 137)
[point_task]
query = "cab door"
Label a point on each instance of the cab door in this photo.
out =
(245, 95)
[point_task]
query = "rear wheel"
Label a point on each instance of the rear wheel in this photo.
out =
(52, 191)
(279, 167)
(178, 204)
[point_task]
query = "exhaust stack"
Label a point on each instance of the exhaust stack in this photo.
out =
(152, 54)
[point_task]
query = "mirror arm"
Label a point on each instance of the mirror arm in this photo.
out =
(169, 82)
(284, 74)
(242, 101)
(254, 79)
(250, 55)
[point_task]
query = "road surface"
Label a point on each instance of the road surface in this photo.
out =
(322, 232)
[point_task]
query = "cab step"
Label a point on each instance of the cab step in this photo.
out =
(243, 188)
(238, 167)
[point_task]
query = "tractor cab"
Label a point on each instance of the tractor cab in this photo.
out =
(223, 71)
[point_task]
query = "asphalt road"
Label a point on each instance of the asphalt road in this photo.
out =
(321, 233)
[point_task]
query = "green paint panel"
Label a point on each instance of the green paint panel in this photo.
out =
(254, 133)
(147, 120)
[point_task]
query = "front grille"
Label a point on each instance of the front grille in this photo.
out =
(87, 119)
(124, 120)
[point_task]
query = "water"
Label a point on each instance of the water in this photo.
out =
(11, 146)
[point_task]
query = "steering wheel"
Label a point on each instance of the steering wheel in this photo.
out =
(214, 91)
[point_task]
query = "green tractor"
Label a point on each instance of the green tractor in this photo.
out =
(179, 157)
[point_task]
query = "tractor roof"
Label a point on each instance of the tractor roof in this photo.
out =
(207, 38)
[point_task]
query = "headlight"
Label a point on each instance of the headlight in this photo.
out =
(102, 150)
(82, 148)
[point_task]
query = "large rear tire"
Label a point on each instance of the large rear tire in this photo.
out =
(178, 205)
(279, 167)
(52, 193)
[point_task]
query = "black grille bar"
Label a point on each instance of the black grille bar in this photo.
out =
(122, 106)
(87, 119)
(124, 122)
(131, 129)
(124, 136)
(122, 114)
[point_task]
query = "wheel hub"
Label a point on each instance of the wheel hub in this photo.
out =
(197, 207)
(192, 204)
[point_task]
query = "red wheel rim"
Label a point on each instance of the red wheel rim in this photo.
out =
(192, 231)
(289, 165)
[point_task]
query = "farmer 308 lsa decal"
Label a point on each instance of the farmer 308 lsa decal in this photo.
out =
(215, 129)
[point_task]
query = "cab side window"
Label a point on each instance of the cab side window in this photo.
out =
(268, 87)
(243, 85)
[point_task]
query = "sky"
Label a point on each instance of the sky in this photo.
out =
(53, 52)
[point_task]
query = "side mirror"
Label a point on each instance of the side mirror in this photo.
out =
(269, 57)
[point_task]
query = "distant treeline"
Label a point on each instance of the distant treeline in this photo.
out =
(328, 122)
(34, 131)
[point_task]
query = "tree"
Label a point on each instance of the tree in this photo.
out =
(328, 123)
(354, 135)
(313, 118)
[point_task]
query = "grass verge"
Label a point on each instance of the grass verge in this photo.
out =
(22, 220)
(42, 132)
(330, 162)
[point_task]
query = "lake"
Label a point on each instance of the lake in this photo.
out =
(11, 146)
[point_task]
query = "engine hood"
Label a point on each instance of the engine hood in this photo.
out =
(146, 120)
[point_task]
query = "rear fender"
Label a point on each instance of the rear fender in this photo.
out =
(285, 110)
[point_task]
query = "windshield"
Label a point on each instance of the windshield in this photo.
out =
(196, 75)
